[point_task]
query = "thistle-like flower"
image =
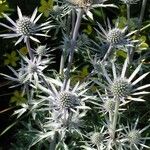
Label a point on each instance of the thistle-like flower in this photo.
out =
(96, 138)
(115, 36)
(133, 137)
(67, 106)
(33, 69)
(25, 27)
(81, 3)
(88, 4)
(122, 87)
(66, 99)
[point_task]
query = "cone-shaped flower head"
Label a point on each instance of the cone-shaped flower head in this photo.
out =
(68, 99)
(97, 138)
(115, 36)
(134, 136)
(25, 27)
(109, 105)
(121, 87)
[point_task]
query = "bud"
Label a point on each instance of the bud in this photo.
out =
(96, 138)
(121, 88)
(134, 136)
(109, 105)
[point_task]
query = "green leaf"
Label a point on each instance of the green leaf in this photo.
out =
(121, 53)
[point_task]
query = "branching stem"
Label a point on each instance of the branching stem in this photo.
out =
(29, 49)
(73, 43)
(128, 14)
(107, 54)
(115, 117)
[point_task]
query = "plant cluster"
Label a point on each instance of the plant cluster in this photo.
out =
(73, 109)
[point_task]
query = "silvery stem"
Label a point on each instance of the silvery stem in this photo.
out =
(54, 142)
(73, 43)
(115, 117)
(29, 49)
(128, 14)
(107, 54)
(142, 13)
(61, 63)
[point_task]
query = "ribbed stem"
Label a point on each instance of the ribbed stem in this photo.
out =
(31, 55)
(73, 43)
(128, 14)
(62, 63)
(139, 27)
(107, 54)
(110, 117)
(54, 142)
(115, 117)
(142, 13)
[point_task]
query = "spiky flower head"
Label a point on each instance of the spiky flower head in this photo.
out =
(25, 27)
(42, 50)
(121, 88)
(134, 136)
(109, 105)
(33, 69)
(97, 138)
(68, 99)
(81, 3)
(129, 2)
(115, 36)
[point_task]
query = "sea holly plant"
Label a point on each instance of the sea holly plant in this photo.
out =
(85, 114)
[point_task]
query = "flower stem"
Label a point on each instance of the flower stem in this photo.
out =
(115, 117)
(73, 43)
(62, 63)
(29, 49)
(139, 26)
(128, 14)
(107, 54)
(54, 141)
(142, 13)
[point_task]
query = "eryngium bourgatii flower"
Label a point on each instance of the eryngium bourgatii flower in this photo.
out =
(115, 37)
(33, 69)
(81, 3)
(67, 105)
(25, 27)
(66, 99)
(97, 138)
(124, 88)
(88, 4)
(130, 2)
(132, 138)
